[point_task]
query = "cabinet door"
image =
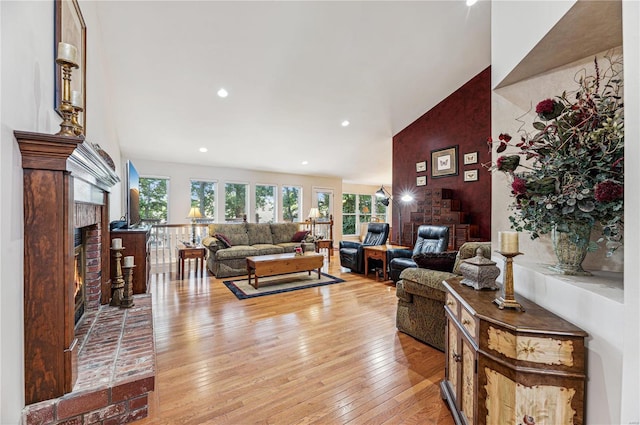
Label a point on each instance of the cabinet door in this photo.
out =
(468, 381)
(453, 360)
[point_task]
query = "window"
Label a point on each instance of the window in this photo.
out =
(235, 197)
(265, 203)
(291, 203)
(203, 196)
(348, 214)
(380, 210)
(154, 198)
(324, 199)
(364, 207)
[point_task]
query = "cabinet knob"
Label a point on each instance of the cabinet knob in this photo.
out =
(457, 357)
(466, 321)
(449, 302)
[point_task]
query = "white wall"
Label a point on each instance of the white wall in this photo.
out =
(599, 305)
(27, 86)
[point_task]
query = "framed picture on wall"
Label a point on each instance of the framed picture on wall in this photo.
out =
(471, 175)
(421, 166)
(470, 158)
(421, 181)
(71, 29)
(444, 162)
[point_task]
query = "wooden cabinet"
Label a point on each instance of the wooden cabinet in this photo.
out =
(136, 243)
(510, 367)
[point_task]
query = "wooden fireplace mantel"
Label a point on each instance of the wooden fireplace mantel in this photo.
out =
(51, 164)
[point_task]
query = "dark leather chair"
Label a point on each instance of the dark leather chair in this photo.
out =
(352, 253)
(430, 239)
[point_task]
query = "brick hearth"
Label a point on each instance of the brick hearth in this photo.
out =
(116, 370)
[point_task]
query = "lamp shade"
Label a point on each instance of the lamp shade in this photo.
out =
(314, 213)
(380, 192)
(194, 212)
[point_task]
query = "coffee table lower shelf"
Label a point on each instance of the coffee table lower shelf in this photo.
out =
(276, 264)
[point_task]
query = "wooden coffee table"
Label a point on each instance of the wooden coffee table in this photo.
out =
(274, 264)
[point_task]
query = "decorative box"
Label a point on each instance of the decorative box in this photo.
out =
(479, 272)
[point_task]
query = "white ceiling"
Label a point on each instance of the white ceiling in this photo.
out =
(294, 71)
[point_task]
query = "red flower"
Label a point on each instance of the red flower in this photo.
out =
(608, 191)
(545, 107)
(508, 163)
(519, 186)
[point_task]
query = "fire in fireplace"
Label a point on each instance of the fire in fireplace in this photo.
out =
(79, 274)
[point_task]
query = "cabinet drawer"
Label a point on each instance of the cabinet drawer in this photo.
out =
(469, 323)
(452, 303)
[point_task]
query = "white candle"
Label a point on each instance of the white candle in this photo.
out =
(68, 53)
(128, 261)
(76, 98)
(116, 243)
(508, 242)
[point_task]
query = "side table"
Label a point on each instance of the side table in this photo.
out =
(186, 253)
(379, 252)
(325, 244)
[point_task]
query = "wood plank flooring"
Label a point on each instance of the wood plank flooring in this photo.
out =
(327, 355)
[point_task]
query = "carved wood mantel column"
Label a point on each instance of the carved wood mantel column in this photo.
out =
(48, 162)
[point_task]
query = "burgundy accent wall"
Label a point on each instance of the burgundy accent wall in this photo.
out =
(462, 119)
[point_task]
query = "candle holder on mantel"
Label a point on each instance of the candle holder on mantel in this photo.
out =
(78, 130)
(127, 295)
(117, 284)
(66, 109)
(507, 297)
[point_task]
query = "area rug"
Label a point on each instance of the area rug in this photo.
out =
(278, 284)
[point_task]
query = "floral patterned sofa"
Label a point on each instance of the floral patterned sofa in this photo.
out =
(229, 245)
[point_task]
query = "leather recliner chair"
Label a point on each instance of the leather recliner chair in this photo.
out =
(352, 253)
(430, 239)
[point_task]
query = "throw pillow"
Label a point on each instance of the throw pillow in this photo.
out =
(222, 238)
(299, 236)
(440, 261)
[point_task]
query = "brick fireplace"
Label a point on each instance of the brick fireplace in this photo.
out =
(100, 369)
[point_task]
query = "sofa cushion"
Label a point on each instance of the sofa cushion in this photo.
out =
(267, 249)
(299, 236)
(236, 251)
(440, 261)
(236, 233)
(226, 243)
(283, 232)
(259, 233)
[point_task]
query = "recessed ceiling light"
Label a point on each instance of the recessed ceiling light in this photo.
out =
(471, 2)
(345, 123)
(305, 162)
(223, 93)
(203, 150)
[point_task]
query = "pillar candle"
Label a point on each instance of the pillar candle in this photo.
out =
(508, 242)
(128, 261)
(116, 243)
(76, 98)
(67, 52)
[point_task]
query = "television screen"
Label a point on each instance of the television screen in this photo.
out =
(132, 195)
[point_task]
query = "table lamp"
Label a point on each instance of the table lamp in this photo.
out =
(313, 214)
(194, 213)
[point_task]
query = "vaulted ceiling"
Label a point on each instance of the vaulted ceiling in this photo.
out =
(293, 70)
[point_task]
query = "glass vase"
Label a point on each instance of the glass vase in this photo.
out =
(570, 244)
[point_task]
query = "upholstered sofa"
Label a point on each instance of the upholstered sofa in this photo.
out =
(229, 245)
(421, 297)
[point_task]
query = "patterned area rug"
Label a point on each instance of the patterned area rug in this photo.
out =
(278, 284)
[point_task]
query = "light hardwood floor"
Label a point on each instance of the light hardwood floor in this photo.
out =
(327, 355)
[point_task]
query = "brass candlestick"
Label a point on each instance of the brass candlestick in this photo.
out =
(66, 109)
(127, 296)
(507, 298)
(117, 284)
(77, 127)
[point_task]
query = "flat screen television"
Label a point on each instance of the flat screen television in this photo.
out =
(132, 195)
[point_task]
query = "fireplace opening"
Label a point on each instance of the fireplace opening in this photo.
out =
(79, 274)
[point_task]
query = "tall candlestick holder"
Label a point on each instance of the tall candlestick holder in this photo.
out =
(507, 297)
(66, 109)
(127, 295)
(117, 284)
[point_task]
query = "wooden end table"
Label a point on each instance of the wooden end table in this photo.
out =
(187, 253)
(379, 252)
(325, 244)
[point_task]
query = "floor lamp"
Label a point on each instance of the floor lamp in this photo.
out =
(383, 193)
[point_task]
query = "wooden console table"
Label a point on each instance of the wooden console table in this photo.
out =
(509, 367)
